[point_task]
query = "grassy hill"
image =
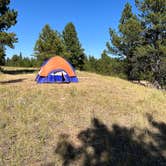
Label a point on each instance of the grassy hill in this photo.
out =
(99, 121)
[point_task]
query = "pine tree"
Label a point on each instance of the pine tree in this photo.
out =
(90, 63)
(124, 43)
(142, 41)
(153, 49)
(7, 19)
(73, 46)
(49, 44)
(103, 64)
(2, 55)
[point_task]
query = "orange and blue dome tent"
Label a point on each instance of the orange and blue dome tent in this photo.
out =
(56, 69)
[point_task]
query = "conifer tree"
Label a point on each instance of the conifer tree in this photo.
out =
(7, 19)
(73, 46)
(125, 41)
(49, 44)
(141, 40)
(153, 49)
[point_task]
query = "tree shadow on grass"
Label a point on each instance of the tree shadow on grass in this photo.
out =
(19, 71)
(119, 146)
(12, 81)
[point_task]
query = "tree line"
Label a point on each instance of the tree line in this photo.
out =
(20, 61)
(138, 44)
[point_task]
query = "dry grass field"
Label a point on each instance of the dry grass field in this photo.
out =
(99, 121)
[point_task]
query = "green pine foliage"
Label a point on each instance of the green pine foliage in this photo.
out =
(153, 47)
(2, 56)
(20, 61)
(141, 40)
(67, 45)
(73, 46)
(49, 44)
(7, 19)
(111, 66)
(90, 64)
(106, 65)
(125, 42)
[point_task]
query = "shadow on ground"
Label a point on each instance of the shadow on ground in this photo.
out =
(12, 81)
(120, 146)
(19, 71)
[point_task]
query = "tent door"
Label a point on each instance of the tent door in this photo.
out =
(60, 76)
(63, 78)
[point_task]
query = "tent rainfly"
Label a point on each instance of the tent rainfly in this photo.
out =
(56, 70)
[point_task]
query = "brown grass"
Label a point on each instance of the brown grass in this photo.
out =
(33, 116)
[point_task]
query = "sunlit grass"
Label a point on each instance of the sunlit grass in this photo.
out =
(32, 116)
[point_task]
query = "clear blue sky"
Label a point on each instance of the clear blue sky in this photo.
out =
(92, 19)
